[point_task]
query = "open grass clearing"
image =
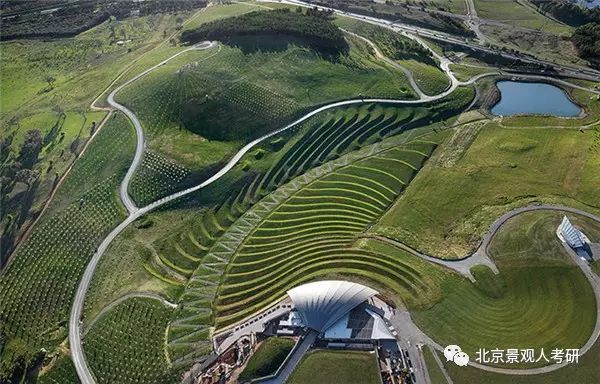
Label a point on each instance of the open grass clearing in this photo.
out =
(336, 367)
(446, 210)
(540, 299)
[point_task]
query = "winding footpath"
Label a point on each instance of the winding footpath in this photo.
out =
(77, 353)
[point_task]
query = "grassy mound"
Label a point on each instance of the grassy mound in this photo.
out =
(540, 300)
(267, 358)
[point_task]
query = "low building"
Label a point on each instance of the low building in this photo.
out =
(574, 238)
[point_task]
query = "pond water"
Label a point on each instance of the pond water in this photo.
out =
(523, 98)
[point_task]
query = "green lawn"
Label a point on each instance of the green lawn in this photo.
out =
(447, 209)
(267, 358)
(539, 300)
(586, 371)
(336, 367)
(435, 373)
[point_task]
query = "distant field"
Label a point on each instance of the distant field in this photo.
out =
(540, 299)
(518, 13)
(336, 367)
(448, 207)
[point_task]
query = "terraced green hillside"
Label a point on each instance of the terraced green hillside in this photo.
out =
(312, 229)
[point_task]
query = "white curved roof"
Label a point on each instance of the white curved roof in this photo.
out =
(322, 303)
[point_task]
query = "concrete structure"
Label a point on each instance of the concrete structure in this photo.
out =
(321, 304)
(574, 238)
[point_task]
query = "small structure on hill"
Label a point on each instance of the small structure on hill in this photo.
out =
(574, 238)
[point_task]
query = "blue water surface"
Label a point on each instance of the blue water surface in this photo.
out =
(523, 98)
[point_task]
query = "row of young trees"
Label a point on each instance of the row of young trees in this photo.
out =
(315, 26)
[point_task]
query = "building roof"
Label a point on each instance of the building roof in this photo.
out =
(570, 234)
(322, 303)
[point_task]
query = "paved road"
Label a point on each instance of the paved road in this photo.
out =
(393, 63)
(462, 265)
(570, 71)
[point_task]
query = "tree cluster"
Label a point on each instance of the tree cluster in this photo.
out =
(15, 170)
(587, 40)
(314, 25)
(568, 12)
(73, 18)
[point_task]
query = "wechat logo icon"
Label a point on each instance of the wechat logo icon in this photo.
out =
(454, 353)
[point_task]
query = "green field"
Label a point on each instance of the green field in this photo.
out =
(519, 14)
(336, 367)
(485, 179)
(39, 284)
(267, 358)
(539, 300)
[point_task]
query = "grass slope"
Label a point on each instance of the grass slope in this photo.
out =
(487, 178)
(267, 358)
(126, 345)
(539, 300)
(336, 367)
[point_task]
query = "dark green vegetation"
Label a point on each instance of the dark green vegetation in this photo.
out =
(48, 19)
(569, 12)
(483, 171)
(156, 177)
(587, 40)
(402, 13)
(336, 367)
(314, 26)
(541, 299)
(267, 358)
(126, 345)
(38, 286)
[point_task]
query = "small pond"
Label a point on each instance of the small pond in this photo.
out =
(524, 98)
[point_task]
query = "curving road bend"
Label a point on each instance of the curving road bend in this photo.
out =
(403, 321)
(140, 144)
(77, 353)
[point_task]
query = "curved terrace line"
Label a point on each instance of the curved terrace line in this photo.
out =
(78, 356)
